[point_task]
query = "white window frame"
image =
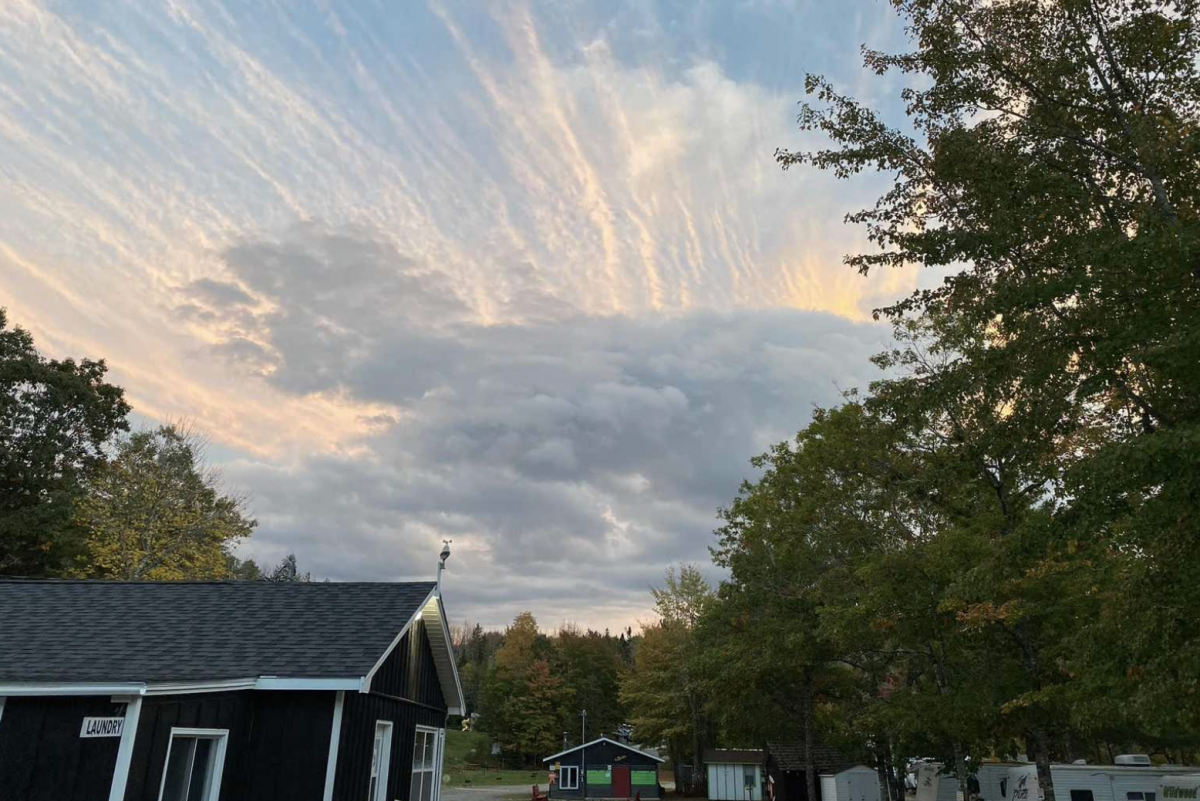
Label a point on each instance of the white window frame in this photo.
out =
(435, 772)
(381, 769)
(562, 777)
(221, 738)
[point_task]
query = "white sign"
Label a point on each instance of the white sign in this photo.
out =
(102, 727)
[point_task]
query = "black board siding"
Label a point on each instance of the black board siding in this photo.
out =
(42, 756)
(277, 749)
(407, 675)
(359, 716)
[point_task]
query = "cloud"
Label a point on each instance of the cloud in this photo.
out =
(521, 274)
(592, 448)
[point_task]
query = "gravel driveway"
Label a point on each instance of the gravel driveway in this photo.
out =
(484, 793)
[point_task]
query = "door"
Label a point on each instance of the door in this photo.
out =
(621, 786)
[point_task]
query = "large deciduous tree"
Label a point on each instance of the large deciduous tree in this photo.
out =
(157, 511)
(1052, 161)
(664, 690)
(55, 419)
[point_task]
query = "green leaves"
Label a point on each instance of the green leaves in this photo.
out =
(155, 511)
(1039, 483)
(55, 419)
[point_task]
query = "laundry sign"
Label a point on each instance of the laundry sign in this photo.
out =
(102, 727)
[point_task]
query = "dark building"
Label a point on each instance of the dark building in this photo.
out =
(223, 691)
(787, 770)
(604, 768)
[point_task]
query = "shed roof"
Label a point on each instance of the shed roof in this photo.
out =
(605, 740)
(790, 757)
(58, 631)
(733, 756)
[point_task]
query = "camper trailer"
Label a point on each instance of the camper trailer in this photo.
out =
(1130, 780)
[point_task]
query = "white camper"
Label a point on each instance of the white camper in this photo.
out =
(933, 785)
(1125, 782)
(1184, 787)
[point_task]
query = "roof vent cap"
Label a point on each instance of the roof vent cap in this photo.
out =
(1141, 760)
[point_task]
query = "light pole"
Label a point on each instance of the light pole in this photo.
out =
(583, 751)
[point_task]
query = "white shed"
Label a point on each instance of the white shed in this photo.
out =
(734, 774)
(858, 783)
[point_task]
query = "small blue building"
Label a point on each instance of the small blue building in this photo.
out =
(604, 768)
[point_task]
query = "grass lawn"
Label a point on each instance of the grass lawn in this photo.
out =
(517, 779)
(471, 747)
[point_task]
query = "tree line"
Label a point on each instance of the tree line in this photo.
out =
(84, 496)
(992, 549)
(529, 688)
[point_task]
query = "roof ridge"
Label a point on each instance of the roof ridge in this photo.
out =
(210, 582)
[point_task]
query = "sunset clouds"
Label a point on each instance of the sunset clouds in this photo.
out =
(520, 274)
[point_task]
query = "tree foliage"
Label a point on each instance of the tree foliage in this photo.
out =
(994, 540)
(156, 511)
(55, 419)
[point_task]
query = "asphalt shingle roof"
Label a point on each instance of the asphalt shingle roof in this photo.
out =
(733, 756)
(790, 757)
(99, 631)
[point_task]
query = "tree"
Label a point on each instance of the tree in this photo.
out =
(664, 690)
(589, 664)
(515, 693)
(1052, 164)
(537, 710)
(655, 690)
(156, 511)
(55, 419)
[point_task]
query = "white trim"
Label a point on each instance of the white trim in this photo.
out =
(455, 705)
(604, 740)
(460, 707)
(562, 772)
(366, 682)
(185, 687)
(1, 708)
(72, 688)
(133, 713)
(221, 736)
(335, 737)
(435, 772)
(274, 683)
(138, 688)
(385, 758)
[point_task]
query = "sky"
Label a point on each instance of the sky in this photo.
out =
(523, 275)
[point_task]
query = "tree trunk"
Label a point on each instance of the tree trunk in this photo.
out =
(1041, 742)
(887, 778)
(699, 778)
(806, 721)
(1045, 779)
(960, 772)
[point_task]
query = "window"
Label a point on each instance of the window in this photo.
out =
(748, 783)
(381, 760)
(426, 765)
(568, 777)
(195, 758)
(1082, 795)
(1137, 795)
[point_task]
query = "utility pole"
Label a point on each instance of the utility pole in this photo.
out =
(583, 752)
